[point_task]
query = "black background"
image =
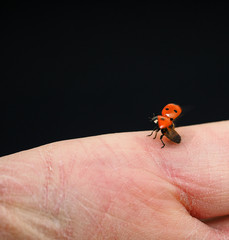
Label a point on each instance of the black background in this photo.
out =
(71, 71)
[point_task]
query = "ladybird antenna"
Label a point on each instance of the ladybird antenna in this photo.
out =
(151, 118)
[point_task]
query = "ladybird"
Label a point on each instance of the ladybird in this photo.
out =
(165, 123)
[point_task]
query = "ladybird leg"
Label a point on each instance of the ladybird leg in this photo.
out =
(162, 140)
(155, 129)
(156, 133)
(151, 133)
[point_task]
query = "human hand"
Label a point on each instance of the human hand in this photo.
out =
(119, 186)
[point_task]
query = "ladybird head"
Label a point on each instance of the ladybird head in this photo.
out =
(154, 119)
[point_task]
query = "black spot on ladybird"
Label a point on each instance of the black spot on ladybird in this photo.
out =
(167, 109)
(162, 119)
(175, 111)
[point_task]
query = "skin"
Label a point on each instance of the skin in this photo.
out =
(119, 186)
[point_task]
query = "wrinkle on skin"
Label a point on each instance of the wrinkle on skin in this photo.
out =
(48, 171)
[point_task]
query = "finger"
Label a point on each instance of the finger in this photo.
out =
(198, 167)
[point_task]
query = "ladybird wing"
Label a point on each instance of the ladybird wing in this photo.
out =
(172, 135)
(171, 111)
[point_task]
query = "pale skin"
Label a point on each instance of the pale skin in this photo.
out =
(120, 187)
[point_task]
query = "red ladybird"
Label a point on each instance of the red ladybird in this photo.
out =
(165, 123)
